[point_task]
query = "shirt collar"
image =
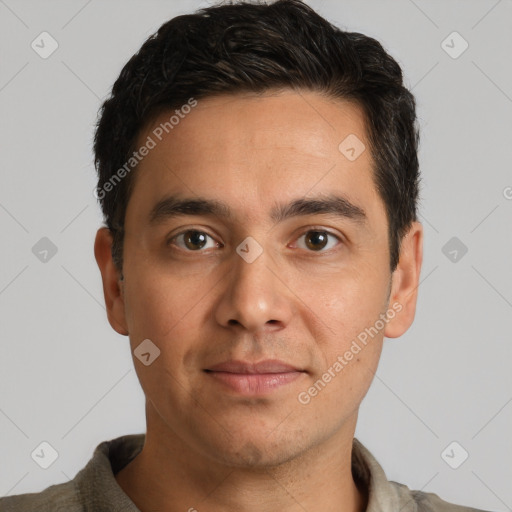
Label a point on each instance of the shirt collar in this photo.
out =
(383, 495)
(100, 490)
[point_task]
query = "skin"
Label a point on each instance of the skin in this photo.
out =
(207, 447)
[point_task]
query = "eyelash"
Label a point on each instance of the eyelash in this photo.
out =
(309, 230)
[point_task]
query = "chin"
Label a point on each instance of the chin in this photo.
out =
(256, 452)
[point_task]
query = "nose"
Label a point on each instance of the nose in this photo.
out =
(255, 297)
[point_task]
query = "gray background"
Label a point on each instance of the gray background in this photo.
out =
(67, 378)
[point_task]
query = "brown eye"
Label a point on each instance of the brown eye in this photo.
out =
(193, 240)
(317, 240)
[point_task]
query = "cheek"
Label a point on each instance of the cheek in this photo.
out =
(167, 312)
(349, 385)
(349, 349)
(350, 309)
(352, 300)
(166, 315)
(156, 306)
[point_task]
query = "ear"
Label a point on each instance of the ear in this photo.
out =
(112, 283)
(405, 282)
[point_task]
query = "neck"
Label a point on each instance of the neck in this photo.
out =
(170, 476)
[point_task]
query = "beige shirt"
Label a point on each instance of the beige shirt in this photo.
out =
(94, 488)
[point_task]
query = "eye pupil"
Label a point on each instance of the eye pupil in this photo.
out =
(316, 237)
(194, 239)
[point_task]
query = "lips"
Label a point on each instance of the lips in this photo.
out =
(267, 366)
(254, 379)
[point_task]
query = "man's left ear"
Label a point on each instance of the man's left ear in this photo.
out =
(405, 282)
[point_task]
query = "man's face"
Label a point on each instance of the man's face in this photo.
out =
(321, 278)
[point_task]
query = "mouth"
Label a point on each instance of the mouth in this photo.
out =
(251, 379)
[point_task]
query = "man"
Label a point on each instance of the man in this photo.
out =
(258, 175)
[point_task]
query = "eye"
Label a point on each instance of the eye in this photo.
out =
(317, 239)
(193, 240)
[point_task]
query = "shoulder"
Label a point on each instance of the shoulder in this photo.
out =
(60, 497)
(420, 501)
(93, 488)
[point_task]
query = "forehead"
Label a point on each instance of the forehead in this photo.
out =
(251, 148)
(308, 123)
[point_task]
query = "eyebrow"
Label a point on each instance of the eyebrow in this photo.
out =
(336, 205)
